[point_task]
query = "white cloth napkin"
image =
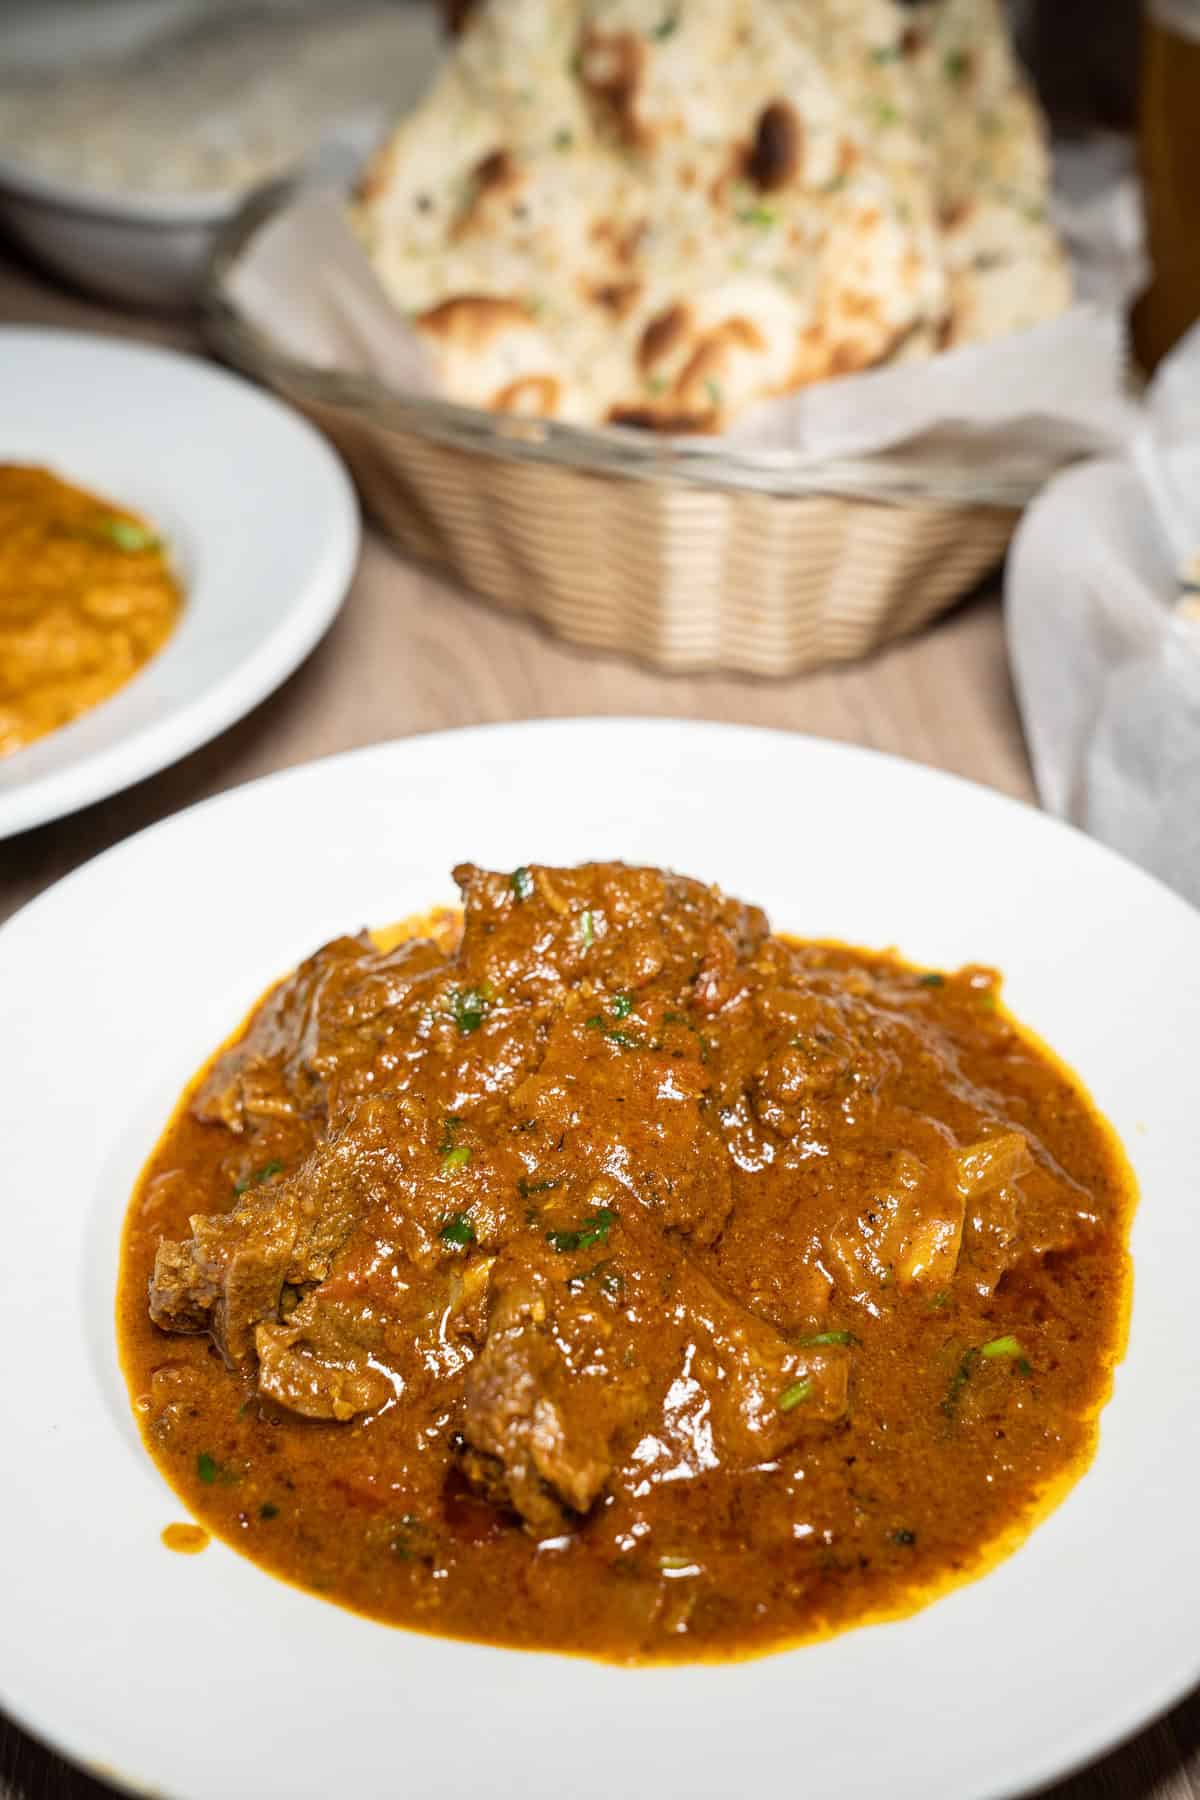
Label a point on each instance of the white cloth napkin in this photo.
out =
(1104, 635)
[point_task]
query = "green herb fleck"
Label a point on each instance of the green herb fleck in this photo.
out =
(268, 1510)
(624, 1040)
(904, 1537)
(458, 1231)
(128, 536)
(886, 113)
(527, 1189)
(758, 215)
(469, 1006)
(457, 1158)
(521, 883)
(1023, 1366)
(886, 53)
(932, 980)
(587, 930)
(622, 1006)
(667, 28)
(828, 1337)
(606, 1276)
(1001, 1347)
(563, 138)
(411, 1540)
(266, 1173)
(795, 1395)
(957, 64)
(939, 1301)
(449, 1126)
(210, 1470)
(594, 1230)
(962, 1375)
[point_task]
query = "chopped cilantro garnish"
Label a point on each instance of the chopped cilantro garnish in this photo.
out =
(521, 883)
(795, 1395)
(469, 1006)
(210, 1470)
(931, 980)
(268, 1510)
(128, 536)
(449, 1127)
(606, 1276)
(266, 1173)
(458, 1231)
(828, 1337)
(594, 1230)
(622, 1006)
(528, 1188)
(962, 1375)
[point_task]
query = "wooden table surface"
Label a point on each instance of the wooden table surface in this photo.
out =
(410, 653)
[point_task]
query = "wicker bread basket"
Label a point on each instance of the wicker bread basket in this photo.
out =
(657, 549)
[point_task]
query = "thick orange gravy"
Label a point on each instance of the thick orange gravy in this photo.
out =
(614, 1277)
(86, 599)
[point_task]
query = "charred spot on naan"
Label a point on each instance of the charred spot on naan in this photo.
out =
(531, 396)
(473, 321)
(492, 196)
(616, 297)
(774, 158)
(612, 68)
(665, 334)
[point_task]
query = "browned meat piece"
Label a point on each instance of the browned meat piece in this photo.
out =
(589, 1347)
(229, 1278)
(319, 1363)
(320, 1037)
(546, 1399)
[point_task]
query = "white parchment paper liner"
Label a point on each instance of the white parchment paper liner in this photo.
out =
(1101, 602)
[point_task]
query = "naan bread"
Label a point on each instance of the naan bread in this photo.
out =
(658, 212)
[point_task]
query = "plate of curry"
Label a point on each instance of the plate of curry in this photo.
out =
(87, 596)
(172, 543)
(747, 1282)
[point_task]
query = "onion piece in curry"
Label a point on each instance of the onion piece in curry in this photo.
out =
(87, 597)
(606, 1274)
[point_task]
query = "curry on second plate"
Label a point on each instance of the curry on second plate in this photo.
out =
(86, 598)
(601, 1272)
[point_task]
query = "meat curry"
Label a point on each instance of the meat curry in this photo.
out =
(601, 1272)
(86, 598)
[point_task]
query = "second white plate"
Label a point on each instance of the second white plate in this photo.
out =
(257, 511)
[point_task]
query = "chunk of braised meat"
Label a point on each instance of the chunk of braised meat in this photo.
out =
(555, 1384)
(606, 1346)
(229, 1277)
(322, 1037)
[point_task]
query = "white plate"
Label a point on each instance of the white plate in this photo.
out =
(204, 1677)
(261, 522)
